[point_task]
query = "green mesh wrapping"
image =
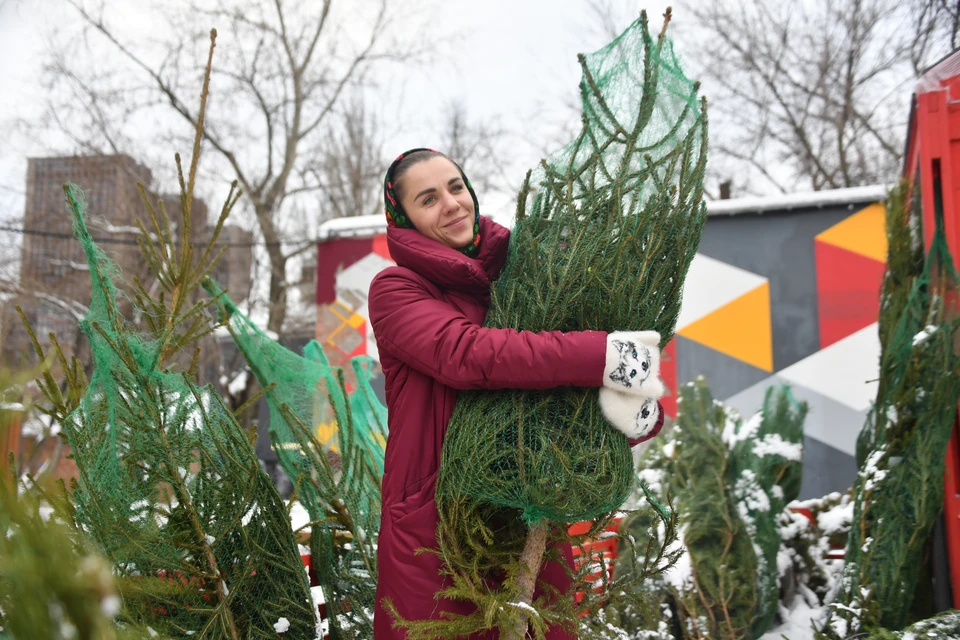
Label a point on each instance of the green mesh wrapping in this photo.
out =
(331, 443)
(732, 481)
(898, 494)
(905, 262)
(171, 490)
(615, 220)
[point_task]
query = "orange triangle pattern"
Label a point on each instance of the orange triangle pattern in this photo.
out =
(863, 233)
(740, 329)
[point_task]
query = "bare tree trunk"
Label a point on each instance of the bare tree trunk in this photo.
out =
(531, 560)
(283, 86)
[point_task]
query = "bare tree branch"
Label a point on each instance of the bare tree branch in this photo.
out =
(276, 96)
(818, 85)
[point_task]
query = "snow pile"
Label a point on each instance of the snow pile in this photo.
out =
(798, 622)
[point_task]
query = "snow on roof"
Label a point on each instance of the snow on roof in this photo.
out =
(792, 201)
(367, 226)
(935, 77)
(352, 227)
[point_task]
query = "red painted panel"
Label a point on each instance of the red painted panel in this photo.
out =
(848, 291)
(933, 152)
(936, 147)
(380, 246)
(668, 373)
(335, 254)
(951, 507)
(361, 349)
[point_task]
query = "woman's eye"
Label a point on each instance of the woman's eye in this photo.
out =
(428, 200)
(457, 187)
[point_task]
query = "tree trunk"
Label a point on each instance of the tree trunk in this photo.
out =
(531, 559)
(277, 303)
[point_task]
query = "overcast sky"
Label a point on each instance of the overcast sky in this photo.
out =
(513, 57)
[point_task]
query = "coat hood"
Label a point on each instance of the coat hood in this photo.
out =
(447, 267)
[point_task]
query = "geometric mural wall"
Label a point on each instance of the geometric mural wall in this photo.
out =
(347, 266)
(728, 309)
(789, 296)
(851, 259)
(827, 268)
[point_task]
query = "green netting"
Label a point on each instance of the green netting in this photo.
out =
(898, 494)
(331, 444)
(904, 265)
(615, 220)
(171, 490)
(731, 480)
(605, 244)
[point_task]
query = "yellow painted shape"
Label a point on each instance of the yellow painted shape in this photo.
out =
(740, 329)
(325, 433)
(356, 321)
(864, 233)
(340, 310)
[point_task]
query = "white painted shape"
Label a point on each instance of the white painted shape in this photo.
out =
(846, 371)
(710, 285)
(357, 277)
(832, 423)
(371, 339)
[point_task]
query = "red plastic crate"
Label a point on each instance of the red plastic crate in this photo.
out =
(602, 552)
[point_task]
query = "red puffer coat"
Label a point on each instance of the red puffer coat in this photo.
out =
(427, 315)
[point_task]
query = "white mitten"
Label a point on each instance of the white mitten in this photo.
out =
(634, 416)
(633, 363)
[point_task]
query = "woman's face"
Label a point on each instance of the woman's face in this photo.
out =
(438, 202)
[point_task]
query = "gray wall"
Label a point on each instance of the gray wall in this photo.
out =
(779, 246)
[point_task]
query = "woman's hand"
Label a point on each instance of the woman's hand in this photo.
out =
(631, 382)
(633, 363)
(634, 416)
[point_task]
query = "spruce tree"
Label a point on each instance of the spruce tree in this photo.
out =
(898, 493)
(732, 480)
(170, 488)
(338, 481)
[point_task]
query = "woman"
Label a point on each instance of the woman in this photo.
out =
(427, 315)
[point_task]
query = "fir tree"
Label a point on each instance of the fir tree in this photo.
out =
(898, 494)
(732, 480)
(338, 480)
(169, 487)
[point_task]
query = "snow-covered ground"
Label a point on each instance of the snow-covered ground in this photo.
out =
(798, 625)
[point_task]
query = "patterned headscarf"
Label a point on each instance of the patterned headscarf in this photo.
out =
(397, 217)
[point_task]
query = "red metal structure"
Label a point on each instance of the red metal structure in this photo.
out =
(933, 161)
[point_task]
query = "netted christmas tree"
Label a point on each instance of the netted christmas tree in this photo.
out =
(613, 221)
(330, 443)
(732, 481)
(169, 487)
(898, 494)
(905, 262)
